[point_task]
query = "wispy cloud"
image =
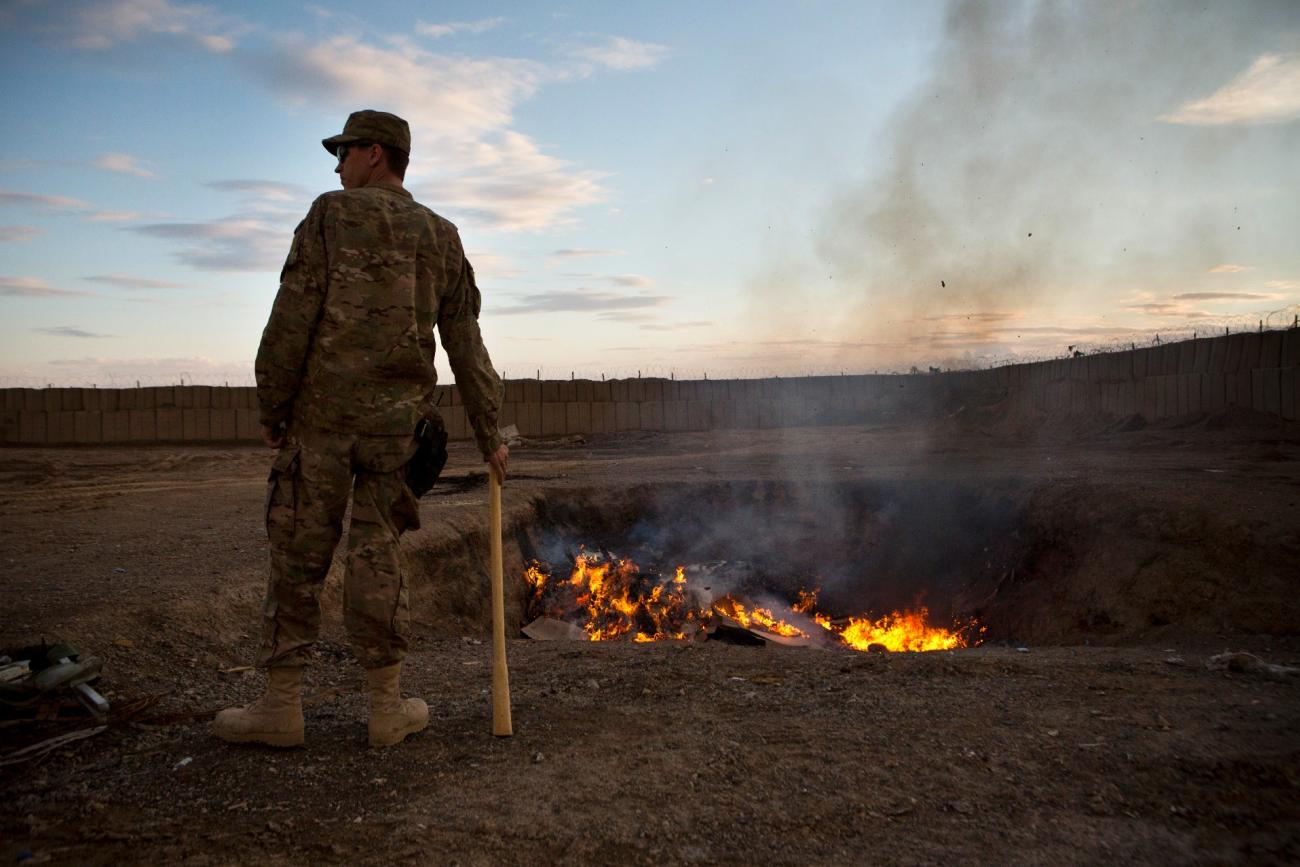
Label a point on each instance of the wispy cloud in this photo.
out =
(1152, 308)
(230, 244)
(14, 234)
(35, 287)
(20, 199)
(68, 331)
(437, 31)
(1267, 92)
(275, 191)
(989, 317)
(675, 326)
(101, 24)
(634, 281)
(1229, 268)
(1223, 296)
(581, 301)
(112, 216)
(1288, 285)
(618, 52)
(123, 164)
(127, 281)
(581, 252)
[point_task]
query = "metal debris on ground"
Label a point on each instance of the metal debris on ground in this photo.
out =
(1249, 663)
(40, 675)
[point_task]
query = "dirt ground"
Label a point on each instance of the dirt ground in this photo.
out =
(1088, 728)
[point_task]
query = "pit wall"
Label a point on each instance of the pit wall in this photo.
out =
(1256, 371)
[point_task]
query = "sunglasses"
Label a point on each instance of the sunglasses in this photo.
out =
(342, 151)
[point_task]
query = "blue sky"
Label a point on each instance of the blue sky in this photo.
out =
(731, 188)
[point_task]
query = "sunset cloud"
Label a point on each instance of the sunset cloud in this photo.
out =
(36, 200)
(126, 281)
(68, 331)
(1222, 296)
(634, 281)
(274, 191)
(16, 234)
(98, 25)
(461, 114)
(1228, 268)
(675, 326)
(112, 216)
(229, 244)
(1267, 92)
(576, 253)
(437, 31)
(35, 287)
(123, 164)
(581, 301)
(618, 52)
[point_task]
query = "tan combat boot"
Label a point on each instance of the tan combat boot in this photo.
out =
(274, 719)
(392, 717)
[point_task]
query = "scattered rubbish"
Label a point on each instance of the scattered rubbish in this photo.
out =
(41, 674)
(551, 629)
(1174, 660)
(238, 669)
(182, 763)
(37, 750)
(510, 433)
(1051, 733)
(963, 807)
(769, 679)
(119, 569)
(1249, 663)
(1022, 650)
(470, 640)
(877, 648)
(25, 855)
(124, 642)
(900, 808)
(12, 671)
(737, 634)
(538, 758)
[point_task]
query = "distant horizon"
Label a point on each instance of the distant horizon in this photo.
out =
(679, 190)
(247, 379)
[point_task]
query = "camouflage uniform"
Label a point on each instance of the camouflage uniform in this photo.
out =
(347, 362)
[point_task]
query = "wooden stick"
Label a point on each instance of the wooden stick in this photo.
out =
(501, 726)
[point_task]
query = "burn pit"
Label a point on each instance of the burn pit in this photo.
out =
(866, 566)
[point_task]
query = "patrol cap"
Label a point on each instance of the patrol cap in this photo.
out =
(376, 126)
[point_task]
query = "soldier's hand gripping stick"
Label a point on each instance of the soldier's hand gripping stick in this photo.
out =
(501, 726)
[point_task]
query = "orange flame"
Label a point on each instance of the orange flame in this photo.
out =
(729, 606)
(610, 598)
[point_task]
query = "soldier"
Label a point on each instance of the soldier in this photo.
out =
(345, 372)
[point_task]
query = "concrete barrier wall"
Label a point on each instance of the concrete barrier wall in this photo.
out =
(1256, 371)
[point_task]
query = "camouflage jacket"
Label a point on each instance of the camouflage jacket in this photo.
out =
(349, 346)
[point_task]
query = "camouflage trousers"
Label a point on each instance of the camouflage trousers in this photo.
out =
(307, 495)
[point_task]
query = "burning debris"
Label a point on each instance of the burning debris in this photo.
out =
(606, 597)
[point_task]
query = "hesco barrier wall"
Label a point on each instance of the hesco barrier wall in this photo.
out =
(1255, 370)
